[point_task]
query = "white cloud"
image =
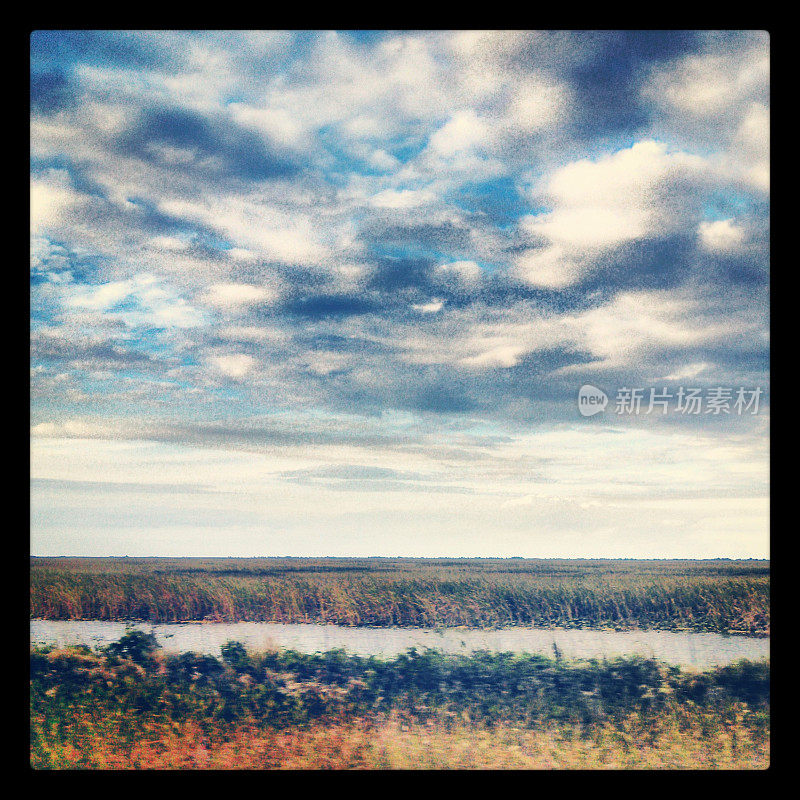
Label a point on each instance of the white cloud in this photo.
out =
(237, 295)
(429, 308)
(750, 150)
(380, 159)
(142, 300)
(712, 83)
(324, 362)
(720, 98)
(504, 355)
(466, 272)
(51, 196)
(405, 198)
(252, 333)
(721, 236)
(600, 204)
(170, 243)
(363, 126)
(627, 184)
(49, 429)
(234, 366)
(689, 488)
(549, 267)
(276, 124)
(366, 92)
(257, 225)
(689, 371)
(753, 132)
(464, 131)
(538, 104)
(624, 332)
(636, 323)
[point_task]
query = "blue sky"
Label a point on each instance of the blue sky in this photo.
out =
(334, 293)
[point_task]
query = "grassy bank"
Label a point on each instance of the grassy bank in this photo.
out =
(389, 745)
(724, 596)
(134, 707)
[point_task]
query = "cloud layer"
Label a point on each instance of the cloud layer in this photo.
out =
(358, 248)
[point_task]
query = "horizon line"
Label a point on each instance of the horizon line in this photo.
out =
(437, 558)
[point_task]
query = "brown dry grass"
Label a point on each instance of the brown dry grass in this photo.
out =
(730, 597)
(392, 745)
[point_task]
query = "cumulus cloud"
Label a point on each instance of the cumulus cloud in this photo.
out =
(600, 204)
(720, 96)
(463, 131)
(714, 81)
(414, 242)
(721, 236)
(142, 300)
(51, 196)
(235, 365)
(237, 295)
(537, 104)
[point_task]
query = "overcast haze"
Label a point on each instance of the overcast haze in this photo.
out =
(335, 293)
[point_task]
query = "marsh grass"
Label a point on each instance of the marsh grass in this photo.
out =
(721, 596)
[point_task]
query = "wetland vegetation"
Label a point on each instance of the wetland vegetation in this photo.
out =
(721, 596)
(131, 706)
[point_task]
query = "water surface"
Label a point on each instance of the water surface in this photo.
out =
(699, 650)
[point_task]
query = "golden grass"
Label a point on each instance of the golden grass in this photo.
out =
(391, 744)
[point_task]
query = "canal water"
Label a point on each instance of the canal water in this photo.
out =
(698, 650)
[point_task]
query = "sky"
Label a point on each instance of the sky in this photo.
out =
(336, 293)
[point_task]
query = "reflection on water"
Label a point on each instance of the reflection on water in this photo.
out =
(698, 650)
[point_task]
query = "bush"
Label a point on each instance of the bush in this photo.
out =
(135, 645)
